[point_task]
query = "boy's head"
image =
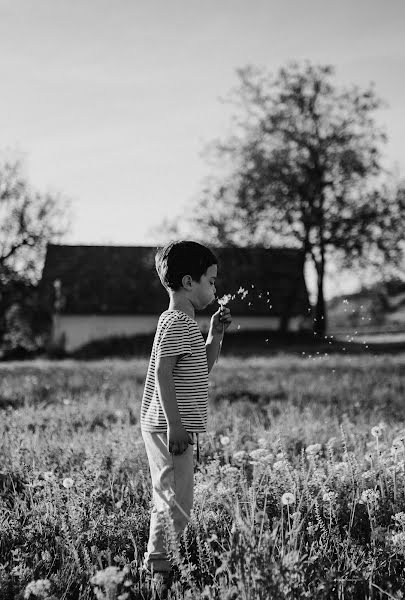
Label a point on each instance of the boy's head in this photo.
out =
(188, 266)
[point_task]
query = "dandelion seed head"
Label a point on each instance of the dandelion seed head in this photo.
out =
(287, 499)
(224, 439)
(67, 482)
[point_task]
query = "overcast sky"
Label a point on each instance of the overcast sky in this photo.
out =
(111, 103)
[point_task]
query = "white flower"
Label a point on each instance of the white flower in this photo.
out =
(49, 475)
(240, 455)
(399, 518)
(279, 465)
(288, 498)
(39, 589)
(313, 449)
(67, 482)
(370, 496)
(224, 439)
(377, 431)
(329, 497)
(280, 455)
(225, 299)
(259, 453)
(109, 577)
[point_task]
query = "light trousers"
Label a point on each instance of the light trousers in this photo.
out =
(172, 493)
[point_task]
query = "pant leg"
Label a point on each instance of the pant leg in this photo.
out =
(172, 484)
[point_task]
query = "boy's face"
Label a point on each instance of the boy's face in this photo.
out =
(204, 290)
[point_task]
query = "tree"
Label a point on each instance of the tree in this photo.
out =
(28, 221)
(305, 169)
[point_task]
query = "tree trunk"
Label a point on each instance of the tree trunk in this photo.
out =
(320, 319)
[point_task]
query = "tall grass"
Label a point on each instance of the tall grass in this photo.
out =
(300, 490)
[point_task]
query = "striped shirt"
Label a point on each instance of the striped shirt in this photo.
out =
(177, 334)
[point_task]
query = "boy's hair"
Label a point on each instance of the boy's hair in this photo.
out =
(182, 258)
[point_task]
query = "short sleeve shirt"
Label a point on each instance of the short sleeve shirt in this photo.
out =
(177, 334)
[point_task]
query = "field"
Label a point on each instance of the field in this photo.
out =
(300, 492)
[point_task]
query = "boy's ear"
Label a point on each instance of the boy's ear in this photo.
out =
(187, 281)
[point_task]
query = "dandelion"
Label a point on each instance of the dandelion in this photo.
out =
(40, 588)
(377, 431)
(67, 482)
(224, 439)
(225, 299)
(109, 578)
(313, 449)
(240, 455)
(287, 498)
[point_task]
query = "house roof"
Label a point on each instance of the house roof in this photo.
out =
(123, 280)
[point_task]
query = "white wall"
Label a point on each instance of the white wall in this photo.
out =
(78, 330)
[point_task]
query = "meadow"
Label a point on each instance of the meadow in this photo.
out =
(300, 491)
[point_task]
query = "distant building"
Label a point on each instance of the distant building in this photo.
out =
(97, 292)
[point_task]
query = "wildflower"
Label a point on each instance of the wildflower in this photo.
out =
(225, 299)
(399, 518)
(224, 439)
(67, 401)
(280, 455)
(39, 589)
(240, 455)
(109, 577)
(288, 498)
(329, 497)
(377, 431)
(67, 482)
(370, 496)
(258, 454)
(49, 476)
(313, 449)
(398, 540)
(279, 465)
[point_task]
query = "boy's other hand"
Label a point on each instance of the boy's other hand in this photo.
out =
(178, 438)
(221, 319)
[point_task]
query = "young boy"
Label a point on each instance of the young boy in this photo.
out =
(174, 403)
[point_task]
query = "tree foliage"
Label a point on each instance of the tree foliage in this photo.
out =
(304, 167)
(28, 221)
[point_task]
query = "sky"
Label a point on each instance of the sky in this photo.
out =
(111, 104)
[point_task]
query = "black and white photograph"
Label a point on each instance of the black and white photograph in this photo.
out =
(202, 300)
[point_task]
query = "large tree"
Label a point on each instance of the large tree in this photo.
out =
(28, 221)
(304, 167)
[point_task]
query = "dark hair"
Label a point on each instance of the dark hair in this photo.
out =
(182, 258)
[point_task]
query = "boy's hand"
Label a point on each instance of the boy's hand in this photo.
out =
(221, 320)
(178, 438)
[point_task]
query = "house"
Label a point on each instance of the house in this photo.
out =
(96, 292)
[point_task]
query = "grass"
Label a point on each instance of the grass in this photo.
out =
(75, 492)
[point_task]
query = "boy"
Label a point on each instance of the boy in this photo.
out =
(174, 403)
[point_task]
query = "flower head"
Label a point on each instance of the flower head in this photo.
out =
(224, 439)
(225, 299)
(67, 482)
(240, 455)
(40, 588)
(377, 431)
(49, 475)
(287, 498)
(313, 449)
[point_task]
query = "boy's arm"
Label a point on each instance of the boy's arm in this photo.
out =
(178, 438)
(220, 322)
